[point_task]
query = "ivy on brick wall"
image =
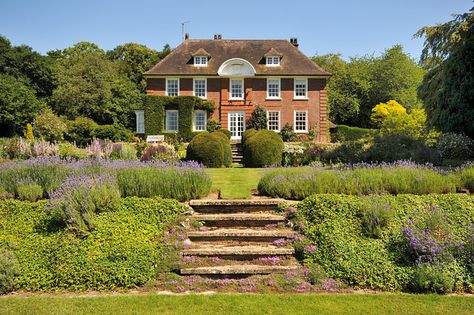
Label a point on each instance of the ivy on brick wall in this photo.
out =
(155, 107)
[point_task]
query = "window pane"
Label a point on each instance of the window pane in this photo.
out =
(236, 89)
(172, 87)
(273, 88)
(300, 121)
(300, 88)
(200, 120)
(274, 120)
(200, 87)
(140, 115)
(171, 120)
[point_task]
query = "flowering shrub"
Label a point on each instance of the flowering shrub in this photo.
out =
(45, 148)
(160, 152)
(293, 154)
(455, 146)
(19, 149)
(123, 151)
(99, 149)
(79, 199)
(424, 247)
(375, 218)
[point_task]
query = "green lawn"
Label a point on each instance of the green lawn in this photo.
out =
(235, 183)
(241, 304)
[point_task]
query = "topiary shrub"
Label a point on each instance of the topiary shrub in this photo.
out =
(263, 148)
(258, 120)
(211, 149)
(225, 132)
(247, 134)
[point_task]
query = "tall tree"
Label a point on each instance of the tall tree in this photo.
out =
(18, 105)
(448, 88)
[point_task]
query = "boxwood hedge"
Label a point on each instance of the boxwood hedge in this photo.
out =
(127, 248)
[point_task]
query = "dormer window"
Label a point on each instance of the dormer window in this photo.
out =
(273, 61)
(200, 61)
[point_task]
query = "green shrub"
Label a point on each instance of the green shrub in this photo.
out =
(29, 191)
(375, 217)
(465, 178)
(227, 133)
(287, 133)
(127, 248)
(247, 134)
(69, 150)
(430, 278)
(79, 199)
(112, 133)
(213, 125)
(49, 127)
(123, 151)
(398, 179)
(455, 146)
(211, 149)
(80, 130)
(346, 152)
(258, 120)
(263, 148)
(8, 271)
(348, 133)
(333, 223)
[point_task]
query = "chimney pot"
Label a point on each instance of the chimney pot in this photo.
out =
(294, 41)
(186, 36)
(217, 36)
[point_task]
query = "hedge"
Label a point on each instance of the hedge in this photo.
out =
(155, 107)
(335, 225)
(348, 133)
(127, 248)
(262, 148)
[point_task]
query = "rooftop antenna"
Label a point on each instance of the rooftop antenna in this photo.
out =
(182, 28)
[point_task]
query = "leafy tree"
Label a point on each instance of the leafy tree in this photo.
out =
(447, 90)
(134, 60)
(259, 118)
(409, 124)
(28, 66)
(18, 105)
(90, 85)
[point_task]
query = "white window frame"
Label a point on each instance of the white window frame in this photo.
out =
(230, 89)
(166, 87)
(279, 119)
(168, 111)
(140, 121)
(305, 97)
(279, 89)
(205, 87)
(270, 61)
(205, 120)
(200, 61)
(306, 121)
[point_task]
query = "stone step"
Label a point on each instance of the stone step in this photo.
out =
(241, 235)
(236, 205)
(236, 270)
(239, 219)
(242, 250)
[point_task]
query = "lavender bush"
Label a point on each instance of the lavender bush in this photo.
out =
(80, 198)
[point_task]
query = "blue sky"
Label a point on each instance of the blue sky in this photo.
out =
(352, 28)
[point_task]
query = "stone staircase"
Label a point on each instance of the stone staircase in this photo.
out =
(240, 235)
(237, 153)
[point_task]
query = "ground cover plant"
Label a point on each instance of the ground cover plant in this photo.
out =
(180, 180)
(395, 178)
(383, 242)
(128, 245)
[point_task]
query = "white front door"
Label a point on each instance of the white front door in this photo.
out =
(236, 124)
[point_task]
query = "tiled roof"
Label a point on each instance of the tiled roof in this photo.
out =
(293, 61)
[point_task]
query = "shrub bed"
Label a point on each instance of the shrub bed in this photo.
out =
(127, 248)
(262, 148)
(425, 244)
(398, 178)
(181, 181)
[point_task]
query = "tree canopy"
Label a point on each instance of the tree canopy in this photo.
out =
(447, 90)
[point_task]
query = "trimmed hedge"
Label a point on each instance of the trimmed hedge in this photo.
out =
(211, 149)
(155, 107)
(262, 148)
(127, 248)
(348, 133)
(335, 225)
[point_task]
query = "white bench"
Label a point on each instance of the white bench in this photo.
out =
(155, 138)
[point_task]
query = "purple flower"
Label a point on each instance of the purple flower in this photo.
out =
(280, 242)
(310, 249)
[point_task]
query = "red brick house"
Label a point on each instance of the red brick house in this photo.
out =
(240, 74)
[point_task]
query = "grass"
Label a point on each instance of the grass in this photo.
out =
(241, 304)
(235, 183)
